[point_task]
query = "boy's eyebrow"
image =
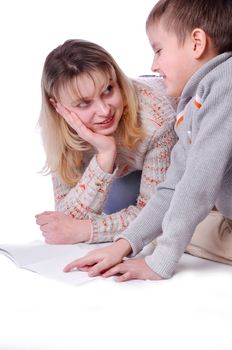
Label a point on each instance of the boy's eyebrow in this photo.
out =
(154, 45)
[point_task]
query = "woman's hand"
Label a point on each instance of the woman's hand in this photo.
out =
(100, 260)
(58, 228)
(104, 145)
(132, 269)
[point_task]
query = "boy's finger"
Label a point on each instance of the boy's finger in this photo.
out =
(113, 271)
(79, 263)
(70, 266)
(85, 268)
(99, 268)
(123, 278)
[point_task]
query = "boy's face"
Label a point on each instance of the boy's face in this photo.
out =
(174, 62)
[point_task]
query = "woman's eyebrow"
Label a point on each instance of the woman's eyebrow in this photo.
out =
(80, 99)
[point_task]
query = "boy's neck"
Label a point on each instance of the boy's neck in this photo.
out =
(208, 53)
(205, 66)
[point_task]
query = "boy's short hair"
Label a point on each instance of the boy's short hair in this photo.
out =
(182, 16)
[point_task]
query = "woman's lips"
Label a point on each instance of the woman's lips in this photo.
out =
(107, 122)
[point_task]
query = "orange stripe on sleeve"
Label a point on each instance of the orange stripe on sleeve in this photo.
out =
(197, 104)
(180, 119)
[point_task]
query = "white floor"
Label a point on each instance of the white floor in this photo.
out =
(193, 310)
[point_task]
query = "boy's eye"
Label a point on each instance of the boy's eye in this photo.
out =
(157, 52)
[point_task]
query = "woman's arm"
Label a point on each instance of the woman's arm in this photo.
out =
(91, 191)
(84, 223)
(89, 194)
(155, 165)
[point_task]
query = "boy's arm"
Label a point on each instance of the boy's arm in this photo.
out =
(196, 192)
(148, 224)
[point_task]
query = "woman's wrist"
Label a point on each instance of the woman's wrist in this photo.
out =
(84, 230)
(106, 161)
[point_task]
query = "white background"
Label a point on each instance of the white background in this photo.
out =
(29, 31)
(191, 311)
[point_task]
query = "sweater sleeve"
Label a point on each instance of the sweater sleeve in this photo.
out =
(148, 224)
(191, 198)
(89, 194)
(155, 165)
(207, 164)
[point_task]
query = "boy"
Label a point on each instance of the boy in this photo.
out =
(192, 42)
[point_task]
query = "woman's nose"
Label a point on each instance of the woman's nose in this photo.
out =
(103, 108)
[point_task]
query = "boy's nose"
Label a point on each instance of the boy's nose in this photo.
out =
(154, 66)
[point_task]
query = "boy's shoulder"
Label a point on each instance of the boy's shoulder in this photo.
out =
(211, 79)
(218, 69)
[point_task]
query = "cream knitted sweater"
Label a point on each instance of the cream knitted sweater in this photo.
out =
(152, 156)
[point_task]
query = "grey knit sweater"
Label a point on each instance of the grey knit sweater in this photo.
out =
(200, 174)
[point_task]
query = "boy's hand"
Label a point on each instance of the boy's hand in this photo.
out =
(132, 269)
(100, 260)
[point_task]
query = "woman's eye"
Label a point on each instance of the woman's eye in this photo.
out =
(157, 52)
(108, 89)
(83, 104)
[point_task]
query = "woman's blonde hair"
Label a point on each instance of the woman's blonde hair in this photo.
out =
(63, 147)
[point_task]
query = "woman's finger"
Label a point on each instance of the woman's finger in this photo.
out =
(84, 132)
(43, 219)
(65, 113)
(43, 213)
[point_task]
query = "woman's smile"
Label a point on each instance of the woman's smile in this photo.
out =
(107, 123)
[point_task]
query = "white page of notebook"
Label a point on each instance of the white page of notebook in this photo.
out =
(49, 260)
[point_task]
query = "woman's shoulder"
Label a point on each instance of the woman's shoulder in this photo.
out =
(151, 87)
(151, 84)
(156, 109)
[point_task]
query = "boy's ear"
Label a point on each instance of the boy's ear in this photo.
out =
(199, 42)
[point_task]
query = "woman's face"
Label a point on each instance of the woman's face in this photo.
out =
(97, 101)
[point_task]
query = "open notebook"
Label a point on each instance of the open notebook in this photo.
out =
(49, 260)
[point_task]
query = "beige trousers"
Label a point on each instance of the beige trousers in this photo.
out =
(212, 239)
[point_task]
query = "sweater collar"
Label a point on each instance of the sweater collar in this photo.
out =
(190, 88)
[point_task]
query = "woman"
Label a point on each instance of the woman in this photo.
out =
(97, 126)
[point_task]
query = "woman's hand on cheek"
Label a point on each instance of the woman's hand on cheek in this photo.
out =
(58, 228)
(105, 145)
